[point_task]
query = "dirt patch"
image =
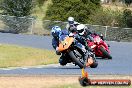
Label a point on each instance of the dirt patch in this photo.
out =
(35, 81)
(44, 81)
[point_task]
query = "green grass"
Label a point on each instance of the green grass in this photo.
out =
(16, 56)
(79, 86)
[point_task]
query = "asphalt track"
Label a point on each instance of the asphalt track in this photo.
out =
(120, 64)
(42, 42)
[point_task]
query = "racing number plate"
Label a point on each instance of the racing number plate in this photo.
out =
(64, 42)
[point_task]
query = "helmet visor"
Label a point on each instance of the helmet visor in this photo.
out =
(80, 31)
(71, 22)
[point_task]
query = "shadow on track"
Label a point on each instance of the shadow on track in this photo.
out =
(63, 67)
(68, 68)
(100, 58)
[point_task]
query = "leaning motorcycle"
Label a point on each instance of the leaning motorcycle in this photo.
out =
(100, 47)
(74, 52)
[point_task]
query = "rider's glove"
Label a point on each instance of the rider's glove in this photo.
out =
(71, 35)
(57, 52)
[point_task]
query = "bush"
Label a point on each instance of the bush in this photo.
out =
(79, 9)
(127, 18)
(62, 9)
(17, 9)
(128, 2)
(106, 17)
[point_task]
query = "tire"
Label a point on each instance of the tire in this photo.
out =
(94, 65)
(105, 53)
(76, 60)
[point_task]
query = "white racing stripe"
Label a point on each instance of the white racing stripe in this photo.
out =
(39, 66)
(24, 68)
(5, 69)
(28, 67)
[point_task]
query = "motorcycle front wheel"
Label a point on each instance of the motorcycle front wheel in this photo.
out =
(105, 53)
(76, 59)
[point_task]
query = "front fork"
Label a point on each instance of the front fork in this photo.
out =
(88, 56)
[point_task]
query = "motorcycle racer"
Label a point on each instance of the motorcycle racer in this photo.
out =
(56, 33)
(71, 26)
(85, 33)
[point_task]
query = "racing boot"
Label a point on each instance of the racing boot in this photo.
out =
(108, 45)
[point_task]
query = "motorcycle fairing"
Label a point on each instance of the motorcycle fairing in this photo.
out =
(65, 42)
(80, 46)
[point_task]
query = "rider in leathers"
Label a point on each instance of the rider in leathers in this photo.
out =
(71, 26)
(56, 32)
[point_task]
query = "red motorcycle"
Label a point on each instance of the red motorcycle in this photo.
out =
(100, 47)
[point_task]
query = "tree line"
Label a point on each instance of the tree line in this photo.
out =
(84, 11)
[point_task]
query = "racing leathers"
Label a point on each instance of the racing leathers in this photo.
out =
(55, 44)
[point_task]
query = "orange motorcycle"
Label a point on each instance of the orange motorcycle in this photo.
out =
(75, 52)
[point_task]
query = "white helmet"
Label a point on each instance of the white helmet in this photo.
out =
(71, 20)
(81, 29)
